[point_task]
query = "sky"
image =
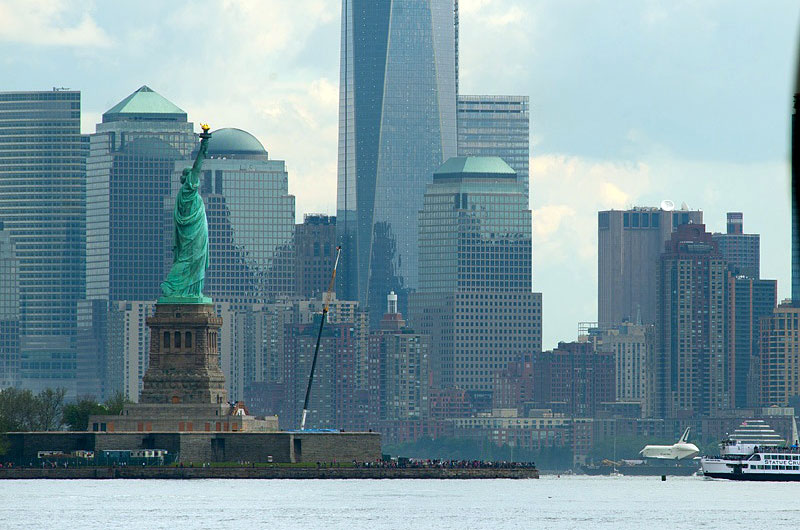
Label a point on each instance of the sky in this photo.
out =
(632, 102)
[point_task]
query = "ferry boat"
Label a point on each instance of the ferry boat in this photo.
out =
(765, 458)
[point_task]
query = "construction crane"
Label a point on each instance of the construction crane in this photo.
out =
(326, 301)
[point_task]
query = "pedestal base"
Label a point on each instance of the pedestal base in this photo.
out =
(184, 358)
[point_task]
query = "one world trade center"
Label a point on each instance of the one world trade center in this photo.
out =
(397, 125)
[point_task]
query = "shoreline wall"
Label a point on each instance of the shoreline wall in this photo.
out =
(151, 472)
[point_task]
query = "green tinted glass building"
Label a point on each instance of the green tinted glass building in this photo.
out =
(250, 220)
(9, 312)
(128, 196)
(42, 172)
(496, 126)
(474, 297)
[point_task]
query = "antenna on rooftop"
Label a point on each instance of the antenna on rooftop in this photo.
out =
(667, 205)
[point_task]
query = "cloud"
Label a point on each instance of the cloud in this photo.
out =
(268, 67)
(549, 218)
(50, 23)
(469, 7)
(612, 195)
(493, 35)
(513, 15)
(567, 192)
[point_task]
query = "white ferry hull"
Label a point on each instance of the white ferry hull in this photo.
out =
(755, 452)
(748, 470)
(755, 476)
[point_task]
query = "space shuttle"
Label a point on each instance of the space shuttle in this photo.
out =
(677, 451)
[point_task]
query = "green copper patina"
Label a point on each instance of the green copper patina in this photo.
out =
(184, 283)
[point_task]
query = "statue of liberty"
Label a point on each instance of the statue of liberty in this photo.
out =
(184, 283)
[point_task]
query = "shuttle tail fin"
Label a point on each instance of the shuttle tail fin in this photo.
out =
(685, 438)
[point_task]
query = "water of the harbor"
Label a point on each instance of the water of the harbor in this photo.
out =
(550, 503)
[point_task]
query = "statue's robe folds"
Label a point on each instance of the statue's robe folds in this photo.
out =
(188, 270)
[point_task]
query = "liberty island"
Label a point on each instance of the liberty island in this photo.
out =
(183, 413)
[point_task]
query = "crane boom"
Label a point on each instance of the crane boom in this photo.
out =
(326, 301)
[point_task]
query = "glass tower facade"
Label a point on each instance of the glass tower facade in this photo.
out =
(496, 126)
(9, 313)
(128, 196)
(474, 297)
(748, 301)
(250, 220)
(315, 247)
(397, 124)
(42, 186)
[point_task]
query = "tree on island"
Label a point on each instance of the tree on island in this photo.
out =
(76, 415)
(22, 410)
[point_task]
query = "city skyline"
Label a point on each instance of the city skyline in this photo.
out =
(646, 130)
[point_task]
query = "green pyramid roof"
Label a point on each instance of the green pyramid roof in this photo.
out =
(145, 101)
(475, 167)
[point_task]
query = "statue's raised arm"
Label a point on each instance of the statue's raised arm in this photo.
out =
(205, 136)
(191, 176)
(184, 283)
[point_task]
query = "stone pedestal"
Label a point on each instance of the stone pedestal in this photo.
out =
(183, 389)
(184, 360)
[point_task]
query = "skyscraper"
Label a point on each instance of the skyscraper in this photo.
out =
(261, 333)
(339, 395)
(496, 126)
(401, 379)
(633, 347)
(629, 245)
(748, 301)
(130, 173)
(573, 377)
(315, 247)
(780, 355)
(692, 363)
(740, 250)
(42, 186)
(474, 297)
(250, 220)
(130, 346)
(397, 124)
(9, 313)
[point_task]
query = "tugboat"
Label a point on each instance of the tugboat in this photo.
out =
(749, 459)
